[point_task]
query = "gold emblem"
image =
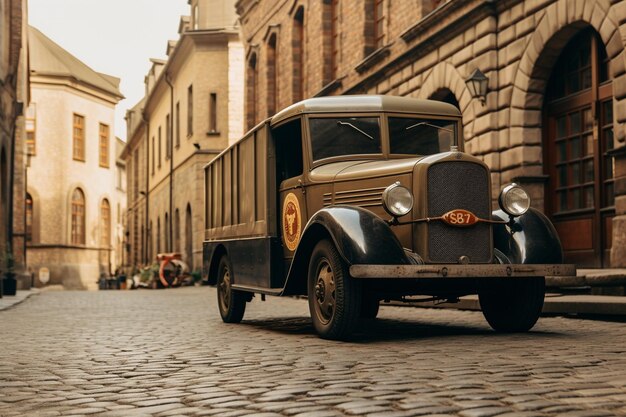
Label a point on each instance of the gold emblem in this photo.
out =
(292, 221)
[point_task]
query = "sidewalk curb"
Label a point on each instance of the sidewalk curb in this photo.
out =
(10, 301)
(600, 305)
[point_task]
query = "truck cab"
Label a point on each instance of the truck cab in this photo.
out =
(350, 200)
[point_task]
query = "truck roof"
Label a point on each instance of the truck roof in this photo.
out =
(366, 103)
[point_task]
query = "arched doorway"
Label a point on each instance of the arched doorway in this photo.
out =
(188, 238)
(578, 135)
(445, 95)
(4, 198)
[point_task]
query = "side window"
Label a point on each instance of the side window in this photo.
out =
(288, 141)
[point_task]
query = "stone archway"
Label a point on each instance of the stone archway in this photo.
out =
(445, 76)
(533, 121)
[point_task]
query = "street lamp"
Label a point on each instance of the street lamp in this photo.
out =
(477, 84)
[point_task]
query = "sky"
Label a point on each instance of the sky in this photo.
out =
(116, 37)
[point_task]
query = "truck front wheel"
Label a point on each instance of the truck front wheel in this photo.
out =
(334, 298)
(513, 305)
(231, 303)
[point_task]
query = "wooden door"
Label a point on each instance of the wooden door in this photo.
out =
(579, 130)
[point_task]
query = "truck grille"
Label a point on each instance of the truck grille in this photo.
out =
(459, 185)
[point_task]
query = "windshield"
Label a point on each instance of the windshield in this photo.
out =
(414, 136)
(344, 136)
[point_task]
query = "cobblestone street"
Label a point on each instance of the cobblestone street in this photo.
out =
(167, 353)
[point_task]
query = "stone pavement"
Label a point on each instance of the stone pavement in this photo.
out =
(9, 301)
(167, 353)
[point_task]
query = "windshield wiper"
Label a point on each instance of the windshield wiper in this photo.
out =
(370, 137)
(429, 125)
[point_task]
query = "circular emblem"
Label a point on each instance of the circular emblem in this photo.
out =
(292, 221)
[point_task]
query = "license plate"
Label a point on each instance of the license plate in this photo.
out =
(460, 218)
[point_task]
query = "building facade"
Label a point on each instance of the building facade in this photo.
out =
(14, 94)
(553, 118)
(192, 110)
(71, 190)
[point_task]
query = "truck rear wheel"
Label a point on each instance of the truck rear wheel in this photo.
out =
(334, 298)
(513, 305)
(231, 303)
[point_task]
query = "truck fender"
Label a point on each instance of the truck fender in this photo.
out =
(212, 253)
(528, 239)
(360, 236)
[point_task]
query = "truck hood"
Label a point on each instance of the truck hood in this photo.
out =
(349, 170)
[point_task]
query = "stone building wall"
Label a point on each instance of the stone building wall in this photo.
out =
(53, 175)
(425, 51)
(13, 98)
(208, 57)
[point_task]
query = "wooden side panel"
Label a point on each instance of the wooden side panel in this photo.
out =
(237, 186)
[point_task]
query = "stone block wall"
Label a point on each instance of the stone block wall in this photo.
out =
(515, 43)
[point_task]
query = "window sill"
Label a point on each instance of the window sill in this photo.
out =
(373, 59)
(213, 133)
(330, 87)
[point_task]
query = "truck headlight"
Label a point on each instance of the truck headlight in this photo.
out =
(397, 200)
(514, 200)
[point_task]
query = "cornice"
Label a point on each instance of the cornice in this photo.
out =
(73, 83)
(178, 56)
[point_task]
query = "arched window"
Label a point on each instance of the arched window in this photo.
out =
(272, 75)
(78, 217)
(29, 217)
(158, 236)
(298, 55)
(330, 39)
(188, 238)
(177, 231)
(374, 30)
(251, 93)
(144, 247)
(167, 233)
(150, 247)
(105, 218)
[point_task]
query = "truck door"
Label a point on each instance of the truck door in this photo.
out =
(291, 189)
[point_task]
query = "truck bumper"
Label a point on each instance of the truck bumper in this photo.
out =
(460, 271)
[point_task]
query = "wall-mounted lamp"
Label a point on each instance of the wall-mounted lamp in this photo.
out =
(196, 145)
(477, 84)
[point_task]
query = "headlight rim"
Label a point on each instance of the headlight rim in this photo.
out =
(502, 198)
(386, 196)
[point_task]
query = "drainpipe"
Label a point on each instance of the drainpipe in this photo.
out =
(168, 80)
(146, 250)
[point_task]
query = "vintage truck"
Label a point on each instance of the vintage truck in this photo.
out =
(350, 200)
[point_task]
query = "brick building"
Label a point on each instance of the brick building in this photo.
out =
(14, 95)
(554, 115)
(192, 110)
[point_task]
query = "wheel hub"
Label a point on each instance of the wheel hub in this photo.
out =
(324, 292)
(320, 291)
